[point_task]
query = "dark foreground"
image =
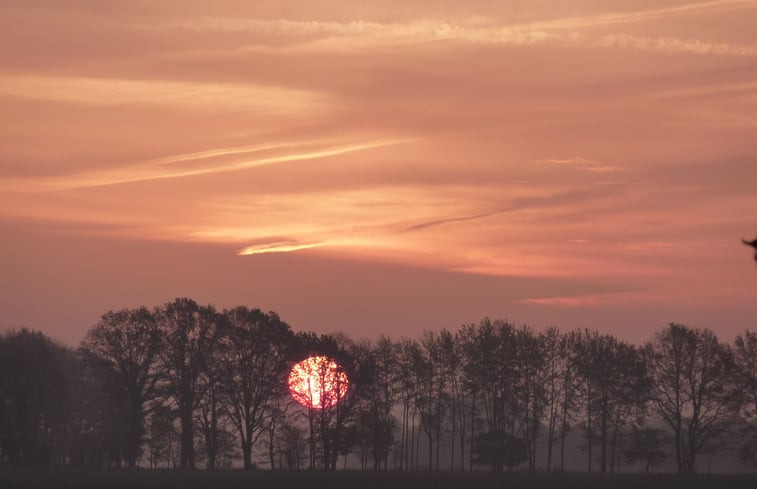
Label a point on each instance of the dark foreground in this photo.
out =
(233, 479)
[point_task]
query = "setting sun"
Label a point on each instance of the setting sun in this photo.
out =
(318, 382)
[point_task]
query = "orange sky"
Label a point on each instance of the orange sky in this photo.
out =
(380, 167)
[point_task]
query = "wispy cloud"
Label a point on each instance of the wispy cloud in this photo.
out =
(588, 31)
(595, 300)
(667, 45)
(596, 20)
(582, 163)
(186, 165)
(213, 97)
(277, 247)
(704, 90)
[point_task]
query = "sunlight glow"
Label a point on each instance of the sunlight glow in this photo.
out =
(276, 248)
(318, 382)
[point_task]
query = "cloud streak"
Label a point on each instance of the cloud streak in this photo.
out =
(599, 153)
(277, 247)
(171, 167)
(186, 95)
(568, 31)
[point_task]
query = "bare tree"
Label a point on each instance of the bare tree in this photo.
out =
(290, 442)
(425, 400)
(614, 377)
(211, 418)
(161, 436)
(379, 367)
(451, 355)
(531, 385)
(407, 388)
(569, 390)
(126, 343)
(190, 335)
(745, 355)
(255, 358)
(647, 445)
(693, 390)
(332, 370)
(554, 365)
(492, 378)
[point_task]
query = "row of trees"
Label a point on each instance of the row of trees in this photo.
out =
(184, 384)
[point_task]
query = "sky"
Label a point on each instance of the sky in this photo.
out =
(381, 167)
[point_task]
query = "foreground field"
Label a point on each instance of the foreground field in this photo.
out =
(142, 479)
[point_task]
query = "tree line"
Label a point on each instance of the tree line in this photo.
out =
(185, 385)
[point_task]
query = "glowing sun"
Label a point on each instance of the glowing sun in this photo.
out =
(318, 382)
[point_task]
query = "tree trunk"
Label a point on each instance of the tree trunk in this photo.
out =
(563, 431)
(589, 429)
(462, 435)
(430, 450)
(452, 437)
(534, 434)
(603, 434)
(187, 438)
(679, 454)
(247, 453)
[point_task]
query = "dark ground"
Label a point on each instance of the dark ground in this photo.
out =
(233, 479)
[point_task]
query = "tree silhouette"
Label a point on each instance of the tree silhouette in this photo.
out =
(190, 335)
(33, 398)
(615, 382)
(499, 449)
(647, 445)
(126, 343)
(255, 358)
(161, 435)
(152, 387)
(379, 367)
(694, 388)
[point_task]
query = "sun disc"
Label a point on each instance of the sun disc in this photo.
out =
(318, 382)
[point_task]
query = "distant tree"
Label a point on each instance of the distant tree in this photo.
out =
(425, 400)
(329, 419)
(407, 389)
(745, 356)
(695, 388)
(190, 335)
(531, 373)
(499, 449)
(379, 365)
(34, 395)
(335, 419)
(218, 442)
(290, 444)
(555, 366)
(615, 383)
(279, 413)
(437, 391)
(569, 386)
(491, 371)
(161, 436)
(255, 359)
(126, 344)
(747, 451)
(211, 418)
(89, 416)
(647, 446)
(451, 357)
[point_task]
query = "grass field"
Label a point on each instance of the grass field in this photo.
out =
(233, 479)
